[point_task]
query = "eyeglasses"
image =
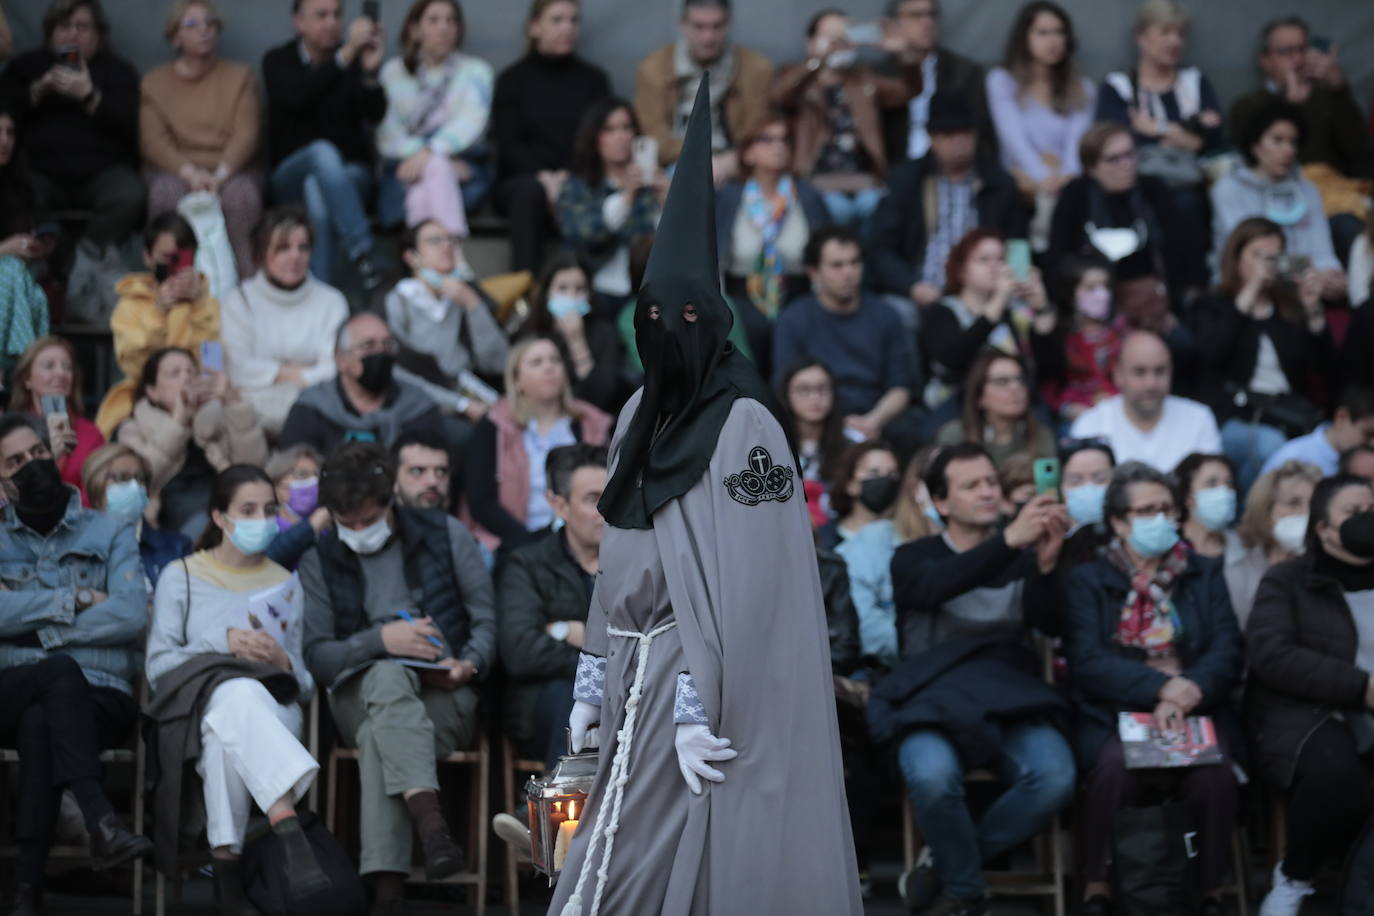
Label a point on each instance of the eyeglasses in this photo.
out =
(1119, 158)
(373, 347)
(774, 139)
(1150, 511)
(1006, 381)
(192, 24)
(439, 239)
(125, 477)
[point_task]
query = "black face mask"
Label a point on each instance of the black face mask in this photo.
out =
(1357, 535)
(39, 488)
(376, 376)
(879, 493)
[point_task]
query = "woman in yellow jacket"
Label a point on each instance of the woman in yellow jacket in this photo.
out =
(170, 306)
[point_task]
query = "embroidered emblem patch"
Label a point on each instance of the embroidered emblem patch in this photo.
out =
(761, 481)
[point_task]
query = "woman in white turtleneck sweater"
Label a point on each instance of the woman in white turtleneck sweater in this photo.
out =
(278, 326)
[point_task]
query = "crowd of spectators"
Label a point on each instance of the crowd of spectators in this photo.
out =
(1077, 373)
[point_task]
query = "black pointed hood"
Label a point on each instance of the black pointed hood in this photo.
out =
(692, 373)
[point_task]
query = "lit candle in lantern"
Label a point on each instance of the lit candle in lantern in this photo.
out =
(565, 835)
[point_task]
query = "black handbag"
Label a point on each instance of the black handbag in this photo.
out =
(265, 879)
(1291, 414)
(1154, 861)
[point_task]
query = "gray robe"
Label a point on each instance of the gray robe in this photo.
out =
(738, 574)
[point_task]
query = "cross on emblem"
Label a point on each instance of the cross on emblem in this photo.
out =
(761, 480)
(760, 460)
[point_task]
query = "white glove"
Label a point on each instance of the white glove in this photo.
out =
(582, 721)
(696, 747)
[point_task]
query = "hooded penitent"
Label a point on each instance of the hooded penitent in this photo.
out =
(692, 373)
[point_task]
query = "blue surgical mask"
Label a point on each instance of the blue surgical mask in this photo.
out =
(252, 535)
(1286, 207)
(566, 305)
(933, 514)
(1085, 503)
(1154, 536)
(126, 499)
(1215, 507)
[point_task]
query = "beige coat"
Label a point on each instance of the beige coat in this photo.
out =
(228, 433)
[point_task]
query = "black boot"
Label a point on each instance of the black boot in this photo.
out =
(113, 844)
(443, 858)
(28, 901)
(229, 896)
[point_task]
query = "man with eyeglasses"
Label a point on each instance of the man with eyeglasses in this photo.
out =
(72, 609)
(927, 67)
(1145, 422)
(364, 403)
(966, 602)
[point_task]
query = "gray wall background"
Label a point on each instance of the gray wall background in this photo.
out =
(616, 33)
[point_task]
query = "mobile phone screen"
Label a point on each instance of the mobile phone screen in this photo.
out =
(1046, 471)
(1019, 257)
(211, 356)
(53, 404)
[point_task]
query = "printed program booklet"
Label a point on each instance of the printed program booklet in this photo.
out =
(1145, 746)
(273, 610)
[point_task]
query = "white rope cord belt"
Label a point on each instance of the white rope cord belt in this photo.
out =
(620, 775)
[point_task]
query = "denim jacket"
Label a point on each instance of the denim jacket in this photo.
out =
(41, 576)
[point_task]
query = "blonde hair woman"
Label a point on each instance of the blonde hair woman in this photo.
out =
(1271, 530)
(506, 505)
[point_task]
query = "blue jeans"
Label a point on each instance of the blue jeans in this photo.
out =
(856, 209)
(1036, 766)
(1248, 445)
(391, 196)
(333, 191)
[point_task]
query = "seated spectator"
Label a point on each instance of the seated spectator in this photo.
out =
(1171, 649)
(607, 206)
(927, 67)
(1262, 339)
(322, 95)
(863, 495)
(561, 310)
(1361, 273)
(422, 470)
(1206, 484)
(278, 325)
(762, 226)
(976, 583)
(1271, 185)
(1307, 646)
(1271, 530)
(1145, 422)
(998, 412)
(187, 426)
(1351, 424)
(836, 105)
(250, 738)
(198, 126)
(438, 101)
(378, 559)
(1092, 343)
(1358, 461)
(985, 305)
(23, 303)
(858, 337)
(545, 590)
(1114, 212)
(1335, 150)
(935, 201)
(81, 130)
(1175, 118)
(168, 306)
(74, 606)
(667, 80)
(295, 476)
(915, 516)
(807, 396)
(49, 368)
(536, 112)
(116, 480)
(1085, 470)
(362, 402)
(444, 323)
(1041, 104)
(506, 488)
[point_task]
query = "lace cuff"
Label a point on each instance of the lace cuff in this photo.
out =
(687, 708)
(590, 684)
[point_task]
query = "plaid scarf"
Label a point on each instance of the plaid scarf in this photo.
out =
(1149, 619)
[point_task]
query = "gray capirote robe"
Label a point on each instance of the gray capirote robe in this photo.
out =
(738, 573)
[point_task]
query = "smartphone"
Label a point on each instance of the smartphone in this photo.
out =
(211, 356)
(1019, 258)
(1292, 266)
(53, 405)
(182, 259)
(864, 33)
(372, 10)
(1321, 44)
(644, 150)
(1046, 472)
(70, 56)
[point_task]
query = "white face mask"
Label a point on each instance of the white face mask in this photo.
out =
(1290, 533)
(366, 540)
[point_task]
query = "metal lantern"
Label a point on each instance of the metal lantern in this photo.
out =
(555, 804)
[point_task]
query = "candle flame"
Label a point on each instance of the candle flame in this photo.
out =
(572, 810)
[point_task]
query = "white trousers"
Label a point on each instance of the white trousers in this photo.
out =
(250, 752)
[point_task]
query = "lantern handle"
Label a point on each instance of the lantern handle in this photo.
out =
(567, 730)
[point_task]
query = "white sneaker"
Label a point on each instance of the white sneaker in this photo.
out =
(1285, 897)
(515, 833)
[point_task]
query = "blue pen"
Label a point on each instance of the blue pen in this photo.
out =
(406, 616)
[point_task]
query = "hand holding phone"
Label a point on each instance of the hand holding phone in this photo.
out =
(1019, 258)
(211, 356)
(644, 151)
(1046, 474)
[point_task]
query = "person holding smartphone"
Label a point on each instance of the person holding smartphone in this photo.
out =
(47, 384)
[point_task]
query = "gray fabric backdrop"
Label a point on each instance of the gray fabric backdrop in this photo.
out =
(616, 33)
